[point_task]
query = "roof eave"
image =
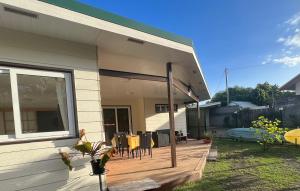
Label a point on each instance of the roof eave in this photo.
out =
(119, 20)
(290, 85)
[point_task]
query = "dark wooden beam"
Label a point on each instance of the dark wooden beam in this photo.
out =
(131, 75)
(171, 114)
(185, 89)
(198, 120)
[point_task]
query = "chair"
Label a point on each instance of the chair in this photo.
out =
(180, 137)
(142, 142)
(161, 138)
(148, 142)
(117, 141)
(123, 144)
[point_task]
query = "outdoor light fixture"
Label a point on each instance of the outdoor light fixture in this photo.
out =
(21, 12)
(189, 91)
(134, 40)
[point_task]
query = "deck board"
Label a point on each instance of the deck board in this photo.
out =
(191, 158)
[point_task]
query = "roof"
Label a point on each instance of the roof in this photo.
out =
(209, 105)
(78, 7)
(246, 104)
(205, 105)
(291, 85)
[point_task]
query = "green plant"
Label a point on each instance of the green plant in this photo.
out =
(268, 131)
(95, 150)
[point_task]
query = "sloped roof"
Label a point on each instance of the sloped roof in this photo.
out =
(291, 85)
(78, 7)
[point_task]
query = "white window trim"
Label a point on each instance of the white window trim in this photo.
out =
(115, 108)
(16, 106)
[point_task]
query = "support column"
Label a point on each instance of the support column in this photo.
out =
(198, 120)
(171, 113)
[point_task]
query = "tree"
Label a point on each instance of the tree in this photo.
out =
(265, 94)
(268, 131)
(236, 93)
(262, 94)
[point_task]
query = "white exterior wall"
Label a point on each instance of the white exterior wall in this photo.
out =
(298, 88)
(157, 121)
(144, 117)
(37, 165)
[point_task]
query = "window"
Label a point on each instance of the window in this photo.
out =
(35, 104)
(164, 108)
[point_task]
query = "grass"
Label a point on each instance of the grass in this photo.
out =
(244, 166)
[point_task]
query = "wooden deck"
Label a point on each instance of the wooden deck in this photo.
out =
(191, 159)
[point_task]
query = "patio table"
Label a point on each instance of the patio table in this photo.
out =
(133, 141)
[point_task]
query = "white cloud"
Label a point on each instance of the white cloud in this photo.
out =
(294, 21)
(287, 60)
(289, 55)
(281, 39)
(292, 40)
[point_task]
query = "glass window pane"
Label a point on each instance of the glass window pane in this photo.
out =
(157, 108)
(6, 108)
(110, 125)
(123, 120)
(43, 103)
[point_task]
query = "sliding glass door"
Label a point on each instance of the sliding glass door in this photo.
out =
(116, 119)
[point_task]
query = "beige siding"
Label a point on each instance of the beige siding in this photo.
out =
(37, 165)
(156, 121)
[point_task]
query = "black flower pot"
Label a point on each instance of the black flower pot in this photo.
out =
(96, 167)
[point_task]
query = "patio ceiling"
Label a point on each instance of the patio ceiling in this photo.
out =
(64, 24)
(116, 88)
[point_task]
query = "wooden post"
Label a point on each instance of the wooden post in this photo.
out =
(198, 121)
(171, 113)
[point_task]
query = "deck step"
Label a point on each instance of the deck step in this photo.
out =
(138, 185)
(213, 155)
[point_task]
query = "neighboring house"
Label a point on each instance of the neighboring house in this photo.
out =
(290, 106)
(236, 114)
(292, 85)
(246, 105)
(65, 66)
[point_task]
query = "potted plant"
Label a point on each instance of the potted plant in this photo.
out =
(207, 138)
(98, 153)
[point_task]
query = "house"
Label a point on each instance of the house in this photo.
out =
(66, 66)
(289, 105)
(292, 85)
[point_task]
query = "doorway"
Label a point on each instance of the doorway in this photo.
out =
(116, 119)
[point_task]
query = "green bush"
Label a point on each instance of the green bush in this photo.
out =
(268, 131)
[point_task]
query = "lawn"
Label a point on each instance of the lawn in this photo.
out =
(244, 166)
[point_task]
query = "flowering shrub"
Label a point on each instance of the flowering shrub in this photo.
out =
(268, 131)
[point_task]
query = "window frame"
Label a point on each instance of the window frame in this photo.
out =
(19, 136)
(166, 108)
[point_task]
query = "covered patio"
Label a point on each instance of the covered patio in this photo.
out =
(145, 88)
(191, 159)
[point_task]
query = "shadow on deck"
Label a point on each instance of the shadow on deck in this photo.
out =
(191, 159)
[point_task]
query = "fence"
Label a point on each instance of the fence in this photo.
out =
(195, 128)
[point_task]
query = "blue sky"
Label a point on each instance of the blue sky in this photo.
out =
(258, 40)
